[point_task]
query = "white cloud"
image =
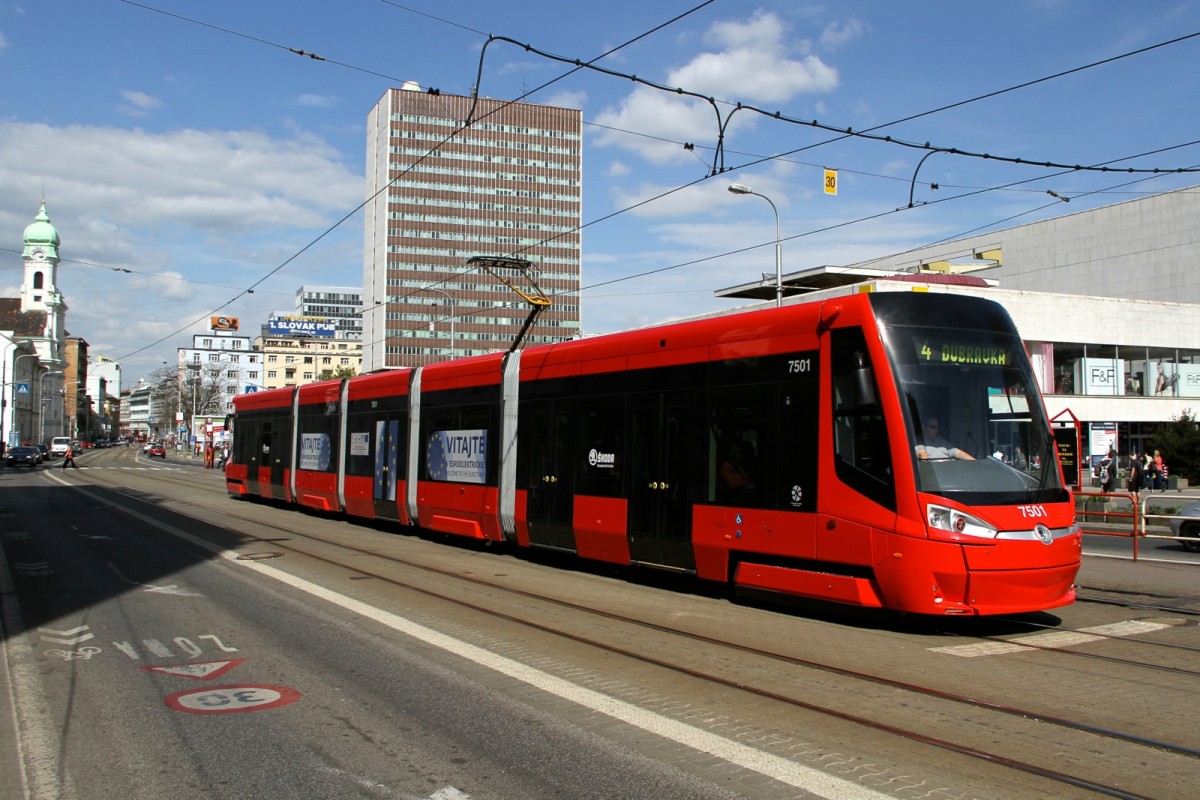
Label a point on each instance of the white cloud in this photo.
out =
(665, 121)
(220, 208)
(138, 103)
(618, 169)
(315, 101)
(573, 99)
(753, 65)
(835, 36)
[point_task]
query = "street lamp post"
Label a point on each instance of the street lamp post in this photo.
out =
(450, 316)
(738, 188)
(191, 423)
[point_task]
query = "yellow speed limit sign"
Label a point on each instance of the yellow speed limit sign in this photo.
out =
(831, 181)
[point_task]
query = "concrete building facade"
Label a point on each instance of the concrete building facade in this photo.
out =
(341, 305)
(297, 360)
(440, 191)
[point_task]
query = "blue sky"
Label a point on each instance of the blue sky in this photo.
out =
(184, 159)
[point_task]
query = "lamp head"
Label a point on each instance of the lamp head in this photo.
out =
(738, 188)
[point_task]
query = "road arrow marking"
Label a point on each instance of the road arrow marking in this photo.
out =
(70, 637)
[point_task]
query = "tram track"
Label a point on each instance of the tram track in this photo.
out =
(774, 691)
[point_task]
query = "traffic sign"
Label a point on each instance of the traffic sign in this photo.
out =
(831, 181)
(232, 699)
(23, 387)
(197, 670)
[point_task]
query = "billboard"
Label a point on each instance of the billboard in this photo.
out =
(300, 326)
(223, 323)
(1170, 379)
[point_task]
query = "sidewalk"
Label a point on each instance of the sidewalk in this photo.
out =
(12, 774)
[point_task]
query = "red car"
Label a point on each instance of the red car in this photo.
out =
(157, 450)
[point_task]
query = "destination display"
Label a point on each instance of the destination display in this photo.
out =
(935, 348)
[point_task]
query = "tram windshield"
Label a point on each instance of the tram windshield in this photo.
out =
(975, 422)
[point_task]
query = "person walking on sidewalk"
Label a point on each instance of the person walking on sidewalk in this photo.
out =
(69, 459)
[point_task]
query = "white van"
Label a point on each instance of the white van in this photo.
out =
(59, 445)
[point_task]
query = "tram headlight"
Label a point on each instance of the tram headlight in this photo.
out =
(941, 518)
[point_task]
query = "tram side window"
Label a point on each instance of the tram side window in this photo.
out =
(263, 453)
(602, 437)
(742, 437)
(458, 444)
(862, 454)
(376, 442)
(318, 440)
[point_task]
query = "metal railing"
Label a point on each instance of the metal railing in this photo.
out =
(1131, 515)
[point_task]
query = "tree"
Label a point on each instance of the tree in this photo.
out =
(340, 372)
(1179, 442)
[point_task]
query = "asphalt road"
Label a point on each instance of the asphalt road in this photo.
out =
(162, 639)
(153, 667)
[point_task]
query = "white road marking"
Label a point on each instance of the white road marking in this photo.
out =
(774, 767)
(1052, 639)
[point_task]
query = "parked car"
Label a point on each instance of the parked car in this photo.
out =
(1188, 528)
(22, 456)
(157, 450)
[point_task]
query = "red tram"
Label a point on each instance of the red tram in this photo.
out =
(788, 450)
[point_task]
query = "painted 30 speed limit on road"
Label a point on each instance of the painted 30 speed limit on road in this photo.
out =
(231, 699)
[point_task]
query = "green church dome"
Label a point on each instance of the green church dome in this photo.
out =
(40, 234)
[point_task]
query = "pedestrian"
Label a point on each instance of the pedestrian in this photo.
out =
(1135, 474)
(208, 456)
(1160, 468)
(69, 459)
(1150, 472)
(1107, 471)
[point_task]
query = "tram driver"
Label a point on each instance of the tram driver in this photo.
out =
(934, 446)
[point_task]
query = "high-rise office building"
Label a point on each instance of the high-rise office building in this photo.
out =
(439, 192)
(341, 305)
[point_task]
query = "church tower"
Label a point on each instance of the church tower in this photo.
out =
(39, 291)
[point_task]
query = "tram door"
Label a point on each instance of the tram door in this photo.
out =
(659, 506)
(275, 453)
(550, 479)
